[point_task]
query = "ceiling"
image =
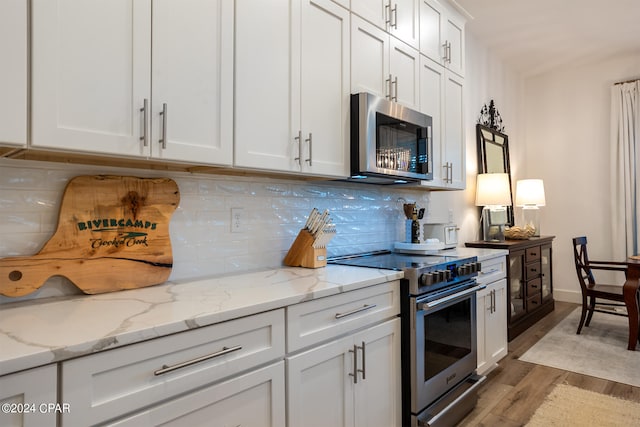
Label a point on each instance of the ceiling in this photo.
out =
(535, 36)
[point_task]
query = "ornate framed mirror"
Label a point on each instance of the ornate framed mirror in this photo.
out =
(493, 157)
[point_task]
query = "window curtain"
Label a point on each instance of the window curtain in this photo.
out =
(625, 164)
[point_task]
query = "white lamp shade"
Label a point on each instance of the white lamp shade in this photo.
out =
(530, 192)
(492, 189)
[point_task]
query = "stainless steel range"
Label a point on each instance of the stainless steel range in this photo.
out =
(439, 353)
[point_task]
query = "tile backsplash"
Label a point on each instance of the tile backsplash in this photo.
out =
(367, 217)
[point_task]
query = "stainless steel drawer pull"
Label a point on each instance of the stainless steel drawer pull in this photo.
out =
(225, 350)
(354, 311)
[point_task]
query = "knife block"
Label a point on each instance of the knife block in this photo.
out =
(303, 254)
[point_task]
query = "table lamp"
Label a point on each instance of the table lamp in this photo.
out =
(494, 193)
(529, 196)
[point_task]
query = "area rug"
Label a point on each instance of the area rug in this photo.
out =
(571, 406)
(599, 351)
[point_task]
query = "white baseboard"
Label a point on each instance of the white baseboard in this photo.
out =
(567, 296)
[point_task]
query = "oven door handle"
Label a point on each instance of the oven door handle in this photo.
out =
(425, 306)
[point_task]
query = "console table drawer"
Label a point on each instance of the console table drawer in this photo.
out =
(534, 287)
(533, 271)
(532, 254)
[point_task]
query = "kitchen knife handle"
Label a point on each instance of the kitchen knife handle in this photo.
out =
(354, 311)
(310, 141)
(299, 139)
(163, 113)
(225, 350)
(145, 118)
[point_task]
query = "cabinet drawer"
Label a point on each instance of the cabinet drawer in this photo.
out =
(315, 321)
(532, 254)
(533, 271)
(255, 399)
(534, 287)
(533, 302)
(492, 270)
(112, 383)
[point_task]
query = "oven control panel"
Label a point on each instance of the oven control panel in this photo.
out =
(449, 273)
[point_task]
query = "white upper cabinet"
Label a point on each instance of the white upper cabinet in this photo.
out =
(13, 72)
(442, 35)
(103, 72)
(383, 65)
(292, 86)
(398, 17)
(441, 97)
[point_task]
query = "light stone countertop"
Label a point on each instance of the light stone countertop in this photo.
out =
(48, 331)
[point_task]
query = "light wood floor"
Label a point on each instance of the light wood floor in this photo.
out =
(515, 389)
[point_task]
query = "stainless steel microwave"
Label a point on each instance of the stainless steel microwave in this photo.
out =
(390, 143)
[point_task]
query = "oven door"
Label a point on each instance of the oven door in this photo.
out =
(444, 342)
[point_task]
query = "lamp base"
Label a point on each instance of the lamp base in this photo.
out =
(531, 217)
(493, 224)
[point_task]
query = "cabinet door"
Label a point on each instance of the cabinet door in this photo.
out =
(405, 21)
(454, 37)
(253, 399)
(369, 58)
(320, 386)
(484, 299)
(546, 276)
(13, 83)
(454, 134)
(192, 73)
(404, 66)
(432, 81)
(31, 388)
(431, 18)
(516, 291)
(375, 11)
(323, 55)
(91, 72)
(378, 391)
(496, 323)
(263, 86)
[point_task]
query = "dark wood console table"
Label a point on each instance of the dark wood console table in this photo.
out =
(530, 280)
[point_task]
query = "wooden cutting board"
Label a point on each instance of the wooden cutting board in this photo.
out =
(112, 234)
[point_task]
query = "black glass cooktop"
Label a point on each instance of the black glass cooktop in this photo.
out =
(392, 261)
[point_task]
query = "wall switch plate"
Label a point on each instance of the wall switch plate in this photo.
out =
(237, 220)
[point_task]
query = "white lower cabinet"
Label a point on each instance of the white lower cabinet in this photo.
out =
(25, 398)
(353, 381)
(254, 399)
(492, 314)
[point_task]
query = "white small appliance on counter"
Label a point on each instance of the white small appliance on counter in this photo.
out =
(447, 234)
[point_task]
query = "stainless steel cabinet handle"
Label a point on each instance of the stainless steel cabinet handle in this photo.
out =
(354, 311)
(355, 364)
(394, 11)
(145, 119)
(449, 52)
(364, 363)
(310, 141)
(225, 350)
(299, 139)
(395, 92)
(445, 51)
(389, 82)
(163, 113)
(387, 14)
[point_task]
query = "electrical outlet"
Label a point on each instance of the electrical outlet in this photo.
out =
(237, 220)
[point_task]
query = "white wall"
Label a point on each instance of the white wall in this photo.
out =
(566, 135)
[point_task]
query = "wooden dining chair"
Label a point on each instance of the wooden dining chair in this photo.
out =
(592, 291)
